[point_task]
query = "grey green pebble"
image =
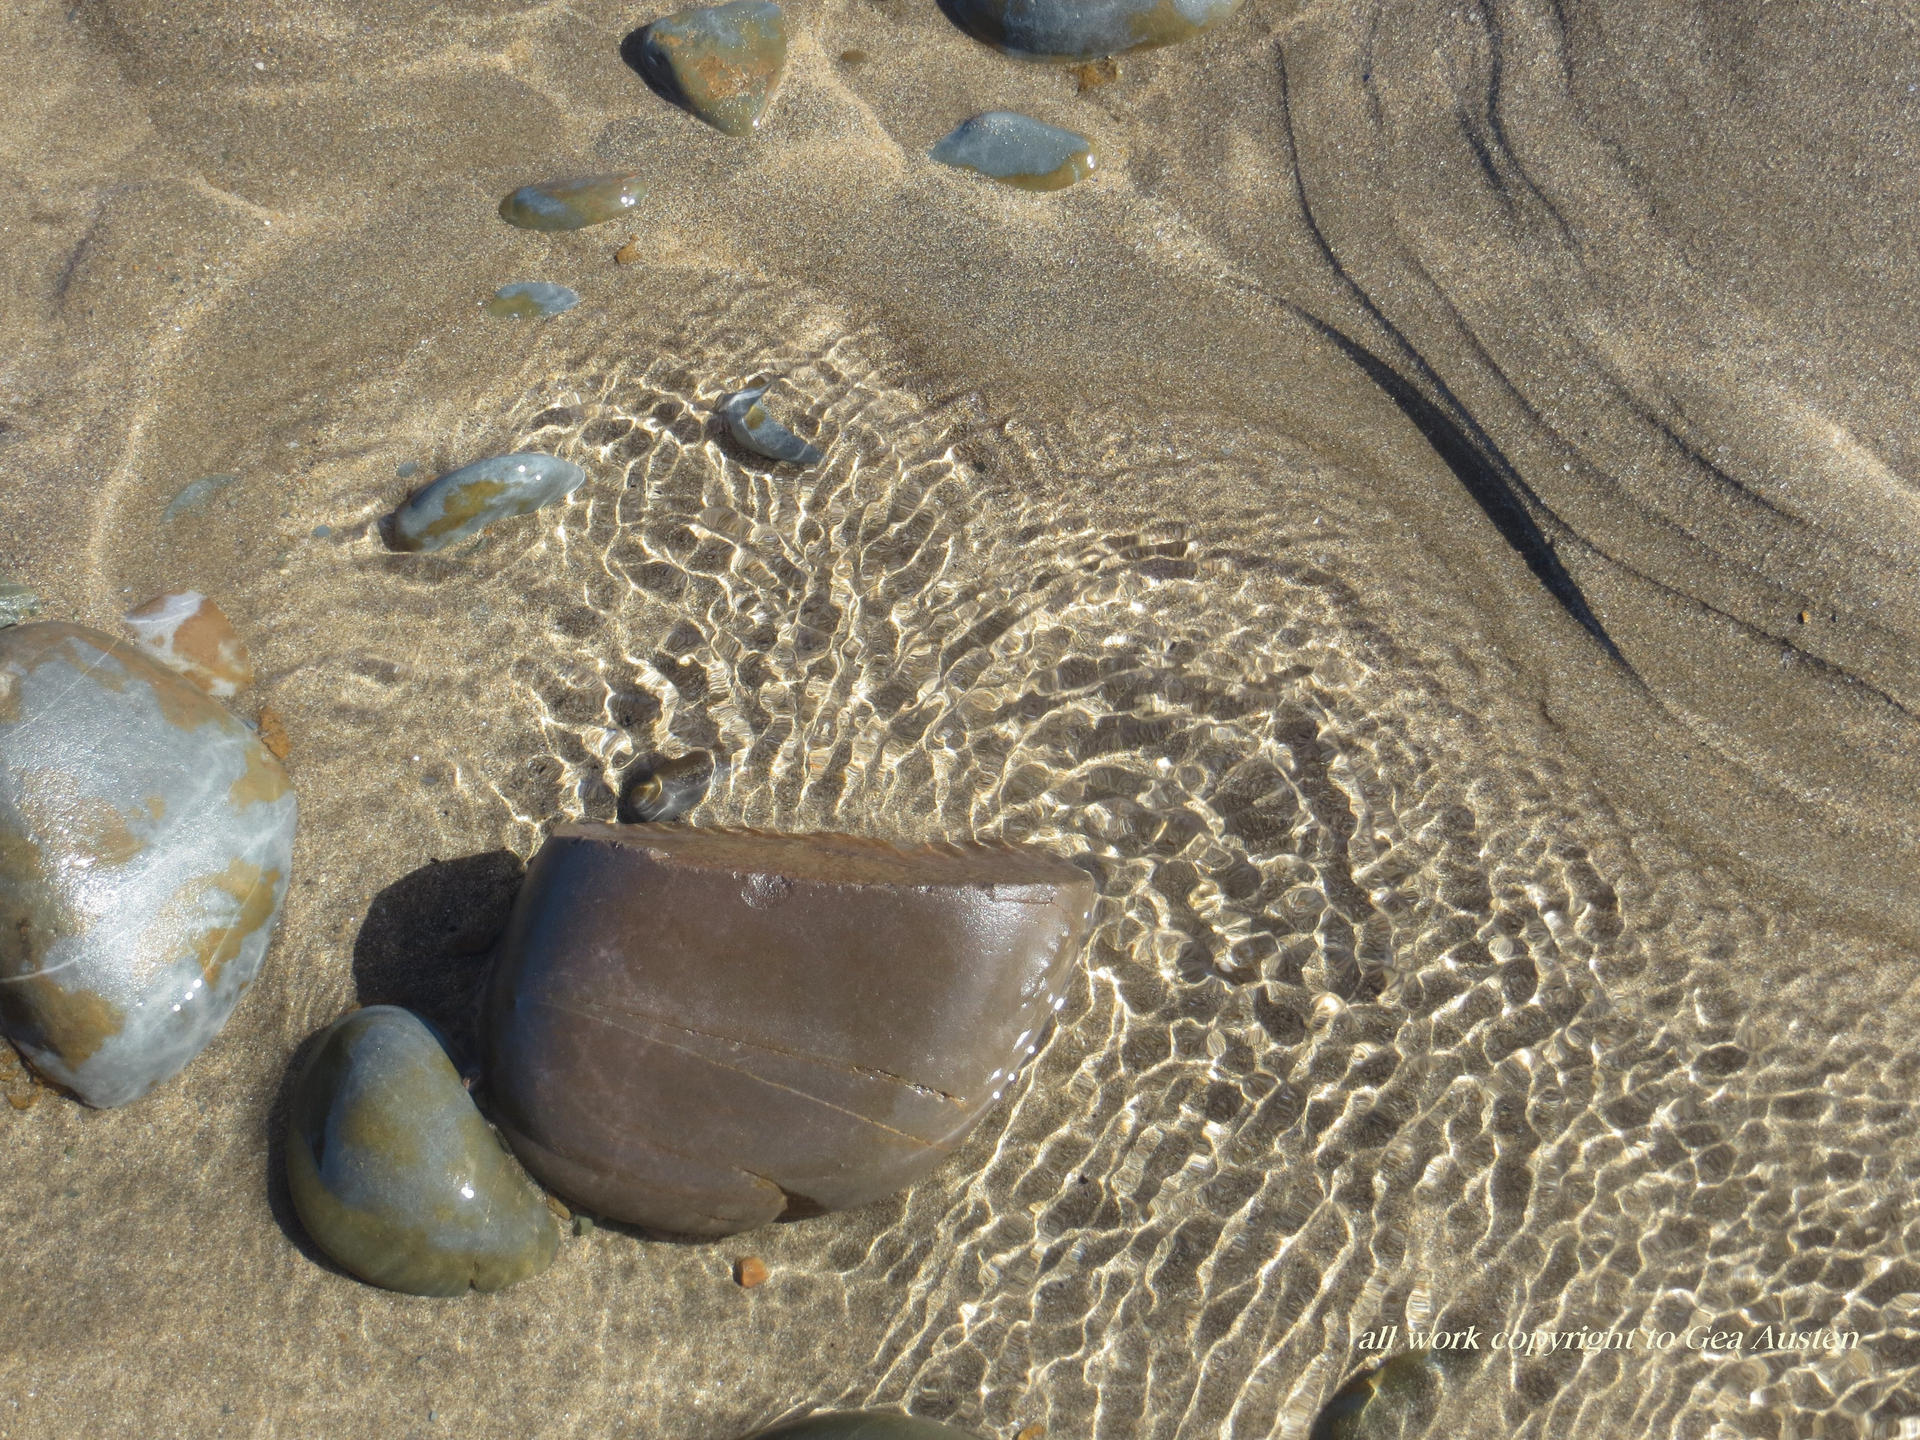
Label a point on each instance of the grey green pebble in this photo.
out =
(463, 502)
(717, 62)
(864, 1425)
(1072, 30)
(1018, 150)
(194, 497)
(530, 300)
(17, 602)
(395, 1174)
(572, 203)
(750, 425)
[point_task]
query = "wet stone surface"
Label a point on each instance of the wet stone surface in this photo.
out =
(718, 62)
(187, 632)
(699, 1031)
(1018, 150)
(1084, 29)
(463, 502)
(573, 203)
(863, 1425)
(146, 837)
(395, 1174)
(530, 300)
(751, 427)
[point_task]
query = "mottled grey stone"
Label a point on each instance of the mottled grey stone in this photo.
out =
(395, 1174)
(750, 425)
(1084, 29)
(719, 62)
(1018, 150)
(17, 602)
(464, 502)
(699, 1031)
(572, 204)
(146, 837)
(530, 300)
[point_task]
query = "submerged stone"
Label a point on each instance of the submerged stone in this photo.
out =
(187, 632)
(395, 1174)
(17, 603)
(1018, 150)
(572, 204)
(194, 497)
(667, 788)
(718, 62)
(1395, 1396)
(146, 837)
(464, 502)
(750, 425)
(530, 300)
(863, 1425)
(699, 1031)
(1084, 29)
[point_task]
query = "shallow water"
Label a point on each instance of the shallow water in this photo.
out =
(1402, 1006)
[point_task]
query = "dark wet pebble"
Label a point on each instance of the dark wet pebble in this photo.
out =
(573, 203)
(751, 427)
(193, 498)
(17, 602)
(146, 837)
(1018, 150)
(530, 300)
(1393, 1397)
(395, 1174)
(464, 502)
(666, 788)
(719, 62)
(407, 469)
(863, 1425)
(699, 1031)
(1084, 29)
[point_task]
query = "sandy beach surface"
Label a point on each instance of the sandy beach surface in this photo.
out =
(1429, 523)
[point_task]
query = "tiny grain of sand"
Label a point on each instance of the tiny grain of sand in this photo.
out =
(1430, 523)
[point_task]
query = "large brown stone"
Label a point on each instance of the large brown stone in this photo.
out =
(699, 1031)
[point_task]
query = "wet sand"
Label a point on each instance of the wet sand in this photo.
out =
(1426, 523)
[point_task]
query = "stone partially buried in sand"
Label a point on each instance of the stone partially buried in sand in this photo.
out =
(146, 837)
(1017, 150)
(463, 502)
(573, 203)
(395, 1174)
(530, 300)
(863, 1425)
(699, 1031)
(187, 632)
(1084, 29)
(719, 62)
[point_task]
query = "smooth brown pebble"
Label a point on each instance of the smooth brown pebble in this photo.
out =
(749, 1271)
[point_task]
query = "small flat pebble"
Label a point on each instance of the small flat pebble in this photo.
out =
(17, 603)
(146, 838)
(530, 300)
(187, 632)
(407, 469)
(749, 1271)
(1084, 29)
(573, 203)
(464, 502)
(666, 789)
(395, 1174)
(751, 427)
(630, 253)
(718, 62)
(864, 1425)
(1018, 150)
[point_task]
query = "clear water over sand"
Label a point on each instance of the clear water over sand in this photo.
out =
(1370, 524)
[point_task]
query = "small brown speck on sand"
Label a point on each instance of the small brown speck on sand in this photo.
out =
(749, 1271)
(629, 253)
(273, 732)
(1035, 1431)
(1094, 74)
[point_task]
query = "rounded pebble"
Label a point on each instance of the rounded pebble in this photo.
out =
(1084, 29)
(17, 603)
(187, 632)
(395, 1174)
(530, 300)
(572, 204)
(718, 62)
(146, 837)
(1018, 150)
(667, 788)
(863, 1425)
(751, 427)
(466, 501)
